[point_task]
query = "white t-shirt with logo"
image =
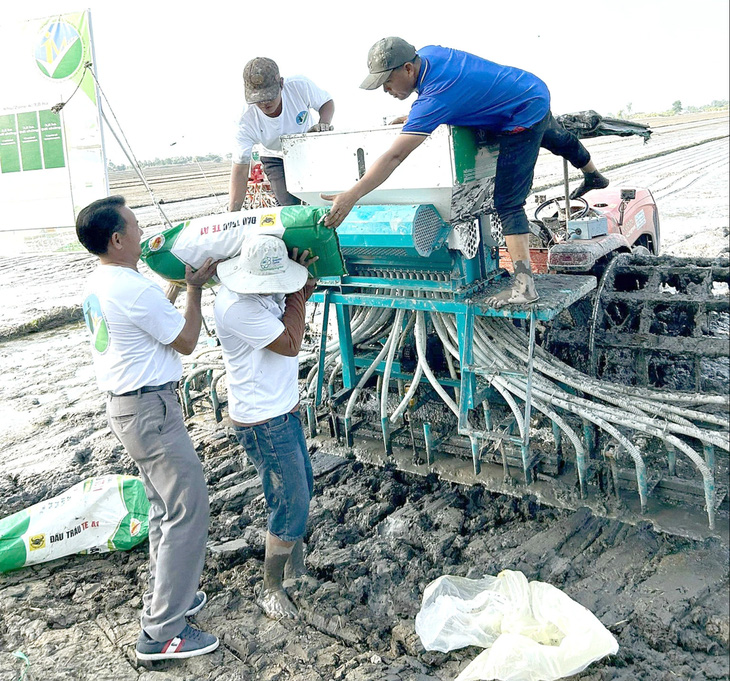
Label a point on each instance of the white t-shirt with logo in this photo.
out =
(131, 323)
(262, 384)
(298, 96)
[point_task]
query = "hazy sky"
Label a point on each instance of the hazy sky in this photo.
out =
(172, 70)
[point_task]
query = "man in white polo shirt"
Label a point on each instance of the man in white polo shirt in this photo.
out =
(277, 107)
(136, 335)
(259, 314)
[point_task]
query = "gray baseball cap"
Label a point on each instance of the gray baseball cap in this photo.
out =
(387, 54)
(261, 80)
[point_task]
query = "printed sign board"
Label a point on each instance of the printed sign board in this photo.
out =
(52, 160)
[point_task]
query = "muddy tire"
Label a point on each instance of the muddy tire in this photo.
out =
(655, 321)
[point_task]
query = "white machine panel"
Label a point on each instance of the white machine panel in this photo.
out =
(331, 162)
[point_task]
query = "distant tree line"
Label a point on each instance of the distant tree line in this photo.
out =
(676, 108)
(173, 160)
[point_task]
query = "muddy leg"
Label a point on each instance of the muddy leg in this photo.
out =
(295, 565)
(273, 599)
(523, 287)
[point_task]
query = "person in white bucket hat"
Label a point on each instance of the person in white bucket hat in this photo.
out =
(259, 314)
(263, 266)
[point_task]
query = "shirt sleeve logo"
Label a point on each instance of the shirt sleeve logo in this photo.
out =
(302, 117)
(96, 324)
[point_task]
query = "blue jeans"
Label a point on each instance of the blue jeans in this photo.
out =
(516, 167)
(278, 449)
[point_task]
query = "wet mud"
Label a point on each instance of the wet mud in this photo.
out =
(376, 536)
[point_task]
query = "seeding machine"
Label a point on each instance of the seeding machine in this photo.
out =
(611, 391)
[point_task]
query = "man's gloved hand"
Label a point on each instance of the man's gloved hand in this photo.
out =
(321, 127)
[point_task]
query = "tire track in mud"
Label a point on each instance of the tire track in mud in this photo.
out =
(668, 174)
(635, 166)
(612, 152)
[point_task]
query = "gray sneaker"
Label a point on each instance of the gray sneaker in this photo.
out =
(188, 643)
(199, 601)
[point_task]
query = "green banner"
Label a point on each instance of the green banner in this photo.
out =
(9, 150)
(31, 140)
(52, 162)
(51, 139)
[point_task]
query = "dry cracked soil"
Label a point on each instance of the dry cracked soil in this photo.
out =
(376, 536)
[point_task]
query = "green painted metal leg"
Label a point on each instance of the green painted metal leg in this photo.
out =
(487, 415)
(311, 420)
(672, 460)
(710, 457)
(526, 467)
(349, 370)
(348, 431)
(322, 347)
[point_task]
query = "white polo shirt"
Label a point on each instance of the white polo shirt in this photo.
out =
(299, 96)
(131, 323)
(261, 384)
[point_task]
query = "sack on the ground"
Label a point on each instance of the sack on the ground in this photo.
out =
(531, 631)
(220, 237)
(106, 513)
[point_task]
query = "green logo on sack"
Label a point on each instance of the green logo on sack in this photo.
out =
(95, 322)
(59, 51)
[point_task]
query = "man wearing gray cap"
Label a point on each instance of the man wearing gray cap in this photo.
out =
(277, 106)
(459, 88)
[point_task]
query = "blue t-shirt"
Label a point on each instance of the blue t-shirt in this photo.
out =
(459, 88)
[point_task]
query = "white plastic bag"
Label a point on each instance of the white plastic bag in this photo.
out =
(531, 631)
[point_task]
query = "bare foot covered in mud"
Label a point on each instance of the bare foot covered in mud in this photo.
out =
(276, 604)
(523, 291)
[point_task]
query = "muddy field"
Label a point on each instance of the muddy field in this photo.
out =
(376, 537)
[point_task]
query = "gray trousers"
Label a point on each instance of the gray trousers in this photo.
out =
(152, 430)
(274, 169)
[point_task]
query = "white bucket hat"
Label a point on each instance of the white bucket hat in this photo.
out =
(264, 266)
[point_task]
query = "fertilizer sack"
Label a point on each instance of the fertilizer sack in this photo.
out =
(106, 513)
(220, 237)
(531, 631)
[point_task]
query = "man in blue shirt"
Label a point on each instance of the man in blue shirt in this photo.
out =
(459, 88)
